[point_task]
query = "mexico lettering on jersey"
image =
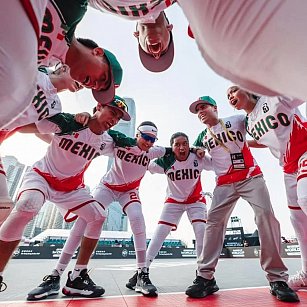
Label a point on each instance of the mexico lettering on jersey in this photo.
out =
(45, 103)
(59, 24)
(130, 163)
(145, 10)
(71, 151)
(277, 123)
(183, 177)
(221, 160)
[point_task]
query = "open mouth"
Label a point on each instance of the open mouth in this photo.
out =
(155, 50)
(234, 102)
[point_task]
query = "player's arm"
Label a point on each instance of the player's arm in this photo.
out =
(45, 137)
(254, 144)
(30, 128)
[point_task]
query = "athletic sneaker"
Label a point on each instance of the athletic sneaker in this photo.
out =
(132, 281)
(202, 287)
(49, 286)
(298, 281)
(3, 285)
(144, 285)
(281, 290)
(82, 286)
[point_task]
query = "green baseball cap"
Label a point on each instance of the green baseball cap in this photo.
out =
(116, 73)
(120, 104)
(202, 100)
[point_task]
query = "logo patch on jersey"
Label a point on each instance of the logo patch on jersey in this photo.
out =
(75, 135)
(53, 104)
(228, 124)
(195, 163)
(265, 108)
(102, 146)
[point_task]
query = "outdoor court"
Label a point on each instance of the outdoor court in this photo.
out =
(241, 282)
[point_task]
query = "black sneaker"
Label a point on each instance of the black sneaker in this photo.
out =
(49, 286)
(202, 287)
(132, 281)
(281, 290)
(3, 285)
(82, 286)
(144, 285)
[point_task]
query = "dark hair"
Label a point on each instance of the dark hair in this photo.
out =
(87, 42)
(147, 123)
(176, 135)
(254, 96)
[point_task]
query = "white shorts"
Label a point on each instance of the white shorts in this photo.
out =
(106, 196)
(172, 213)
(302, 179)
(71, 204)
(18, 56)
(291, 189)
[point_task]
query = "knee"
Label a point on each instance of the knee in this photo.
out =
(137, 224)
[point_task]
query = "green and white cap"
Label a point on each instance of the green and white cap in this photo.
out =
(120, 104)
(202, 100)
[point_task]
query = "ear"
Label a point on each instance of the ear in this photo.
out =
(169, 27)
(99, 106)
(136, 34)
(98, 51)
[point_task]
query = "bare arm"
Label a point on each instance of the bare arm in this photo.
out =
(254, 144)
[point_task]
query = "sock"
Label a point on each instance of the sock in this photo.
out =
(77, 270)
(55, 273)
(141, 258)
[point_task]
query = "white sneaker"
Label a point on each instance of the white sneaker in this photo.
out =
(298, 281)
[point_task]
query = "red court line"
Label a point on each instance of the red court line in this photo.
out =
(251, 297)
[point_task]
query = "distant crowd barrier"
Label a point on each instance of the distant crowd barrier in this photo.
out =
(290, 250)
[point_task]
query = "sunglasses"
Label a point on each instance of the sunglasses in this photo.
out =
(148, 138)
(119, 104)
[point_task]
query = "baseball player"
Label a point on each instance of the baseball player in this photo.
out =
(277, 123)
(58, 177)
(153, 30)
(90, 65)
(45, 103)
(244, 31)
(184, 194)
(22, 21)
(237, 175)
(121, 183)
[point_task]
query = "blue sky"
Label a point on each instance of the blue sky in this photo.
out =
(163, 98)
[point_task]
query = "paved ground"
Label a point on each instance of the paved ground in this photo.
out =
(170, 276)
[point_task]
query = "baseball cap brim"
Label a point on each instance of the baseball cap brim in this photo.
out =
(105, 96)
(194, 105)
(161, 64)
(126, 116)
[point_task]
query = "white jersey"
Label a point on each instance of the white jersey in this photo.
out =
(244, 31)
(144, 10)
(183, 177)
(45, 103)
(60, 21)
(278, 124)
(130, 163)
(232, 140)
(71, 151)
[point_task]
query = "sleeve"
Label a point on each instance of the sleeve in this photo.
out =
(155, 168)
(291, 103)
(199, 141)
(156, 152)
(107, 145)
(45, 126)
(121, 140)
(207, 163)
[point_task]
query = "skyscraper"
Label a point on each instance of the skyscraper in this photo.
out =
(116, 220)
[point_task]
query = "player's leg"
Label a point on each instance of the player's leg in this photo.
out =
(51, 283)
(254, 190)
(223, 202)
(297, 197)
(22, 23)
(27, 206)
(79, 283)
(133, 208)
(197, 214)
(169, 219)
(6, 203)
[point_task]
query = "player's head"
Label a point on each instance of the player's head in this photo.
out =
(146, 135)
(156, 46)
(241, 99)
(108, 115)
(62, 80)
(95, 68)
(180, 145)
(206, 109)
